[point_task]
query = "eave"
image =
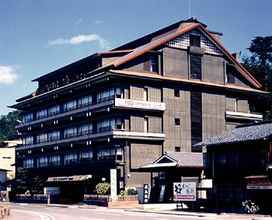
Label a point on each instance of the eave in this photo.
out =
(155, 77)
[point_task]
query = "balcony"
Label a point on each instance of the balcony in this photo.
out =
(139, 105)
(244, 116)
(79, 109)
(103, 103)
(116, 134)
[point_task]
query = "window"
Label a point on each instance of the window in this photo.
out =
(196, 117)
(70, 159)
(85, 101)
(194, 40)
(28, 140)
(106, 125)
(70, 132)
(177, 121)
(54, 160)
(153, 63)
(54, 136)
(177, 149)
(86, 155)
(177, 93)
(230, 73)
(145, 124)
(119, 124)
(145, 98)
(54, 110)
(41, 114)
(42, 162)
(195, 66)
(41, 138)
(71, 105)
(27, 118)
(28, 163)
(85, 129)
(105, 95)
(119, 154)
(118, 93)
(106, 153)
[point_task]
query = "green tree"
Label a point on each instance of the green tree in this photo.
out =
(259, 62)
(7, 125)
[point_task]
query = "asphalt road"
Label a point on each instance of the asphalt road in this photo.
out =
(40, 212)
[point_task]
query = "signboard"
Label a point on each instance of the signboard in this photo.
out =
(51, 190)
(137, 104)
(113, 183)
(184, 191)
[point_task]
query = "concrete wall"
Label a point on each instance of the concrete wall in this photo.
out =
(177, 107)
(213, 69)
(140, 154)
(213, 114)
(175, 62)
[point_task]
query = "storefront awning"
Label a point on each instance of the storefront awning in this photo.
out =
(75, 178)
(176, 159)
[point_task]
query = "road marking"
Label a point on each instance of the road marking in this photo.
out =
(42, 216)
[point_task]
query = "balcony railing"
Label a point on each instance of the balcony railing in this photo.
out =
(118, 134)
(102, 102)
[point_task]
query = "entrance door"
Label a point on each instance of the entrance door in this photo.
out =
(71, 193)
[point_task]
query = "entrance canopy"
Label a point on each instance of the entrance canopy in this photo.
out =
(75, 178)
(176, 160)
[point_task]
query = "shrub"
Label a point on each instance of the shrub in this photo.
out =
(131, 191)
(102, 188)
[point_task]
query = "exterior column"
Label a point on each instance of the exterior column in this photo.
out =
(113, 183)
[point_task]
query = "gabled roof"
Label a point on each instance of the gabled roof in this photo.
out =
(185, 28)
(177, 159)
(243, 133)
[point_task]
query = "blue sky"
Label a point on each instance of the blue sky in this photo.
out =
(39, 36)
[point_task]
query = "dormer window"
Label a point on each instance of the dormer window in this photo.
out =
(194, 40)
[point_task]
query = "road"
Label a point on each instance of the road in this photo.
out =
(41, 212)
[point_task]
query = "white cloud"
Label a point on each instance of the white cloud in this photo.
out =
(79, 39)
(8, 75)
(98, 22)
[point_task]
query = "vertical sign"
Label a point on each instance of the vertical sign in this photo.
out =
(113, 183)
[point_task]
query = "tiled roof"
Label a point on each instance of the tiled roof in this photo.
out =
(250, 132)
(186, 159)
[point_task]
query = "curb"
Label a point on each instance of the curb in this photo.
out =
(172, 213)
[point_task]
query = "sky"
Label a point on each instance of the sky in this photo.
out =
(39, 36)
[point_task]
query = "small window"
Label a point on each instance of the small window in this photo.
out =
(177, 121)
(6, 157)
(145, 124)
(177, 93)
(153, 63)
(195, 40)
(145, 94)
(177, 149)
(195, 66)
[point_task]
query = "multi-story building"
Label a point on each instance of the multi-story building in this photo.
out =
(124, 108)
(7, 154)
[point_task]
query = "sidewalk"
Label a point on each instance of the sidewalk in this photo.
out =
(170, 209)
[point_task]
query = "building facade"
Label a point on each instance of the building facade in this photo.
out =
(124, 108)
(7, 154)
